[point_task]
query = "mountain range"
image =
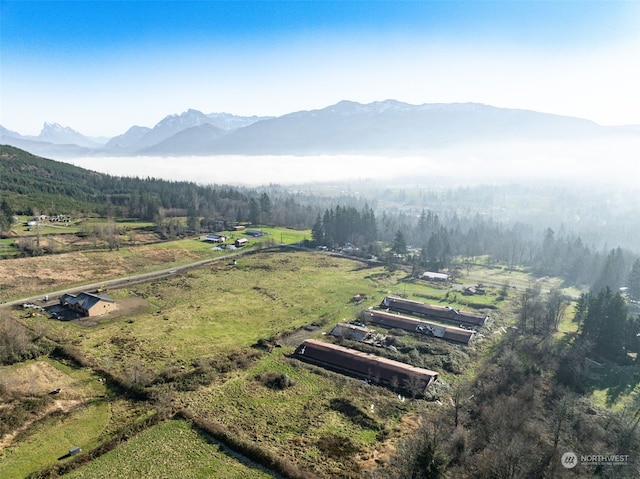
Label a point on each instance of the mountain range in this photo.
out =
(346, 127)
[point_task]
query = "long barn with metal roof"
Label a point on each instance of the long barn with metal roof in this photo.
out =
(445, 313)
(394, 320)
(365, 365)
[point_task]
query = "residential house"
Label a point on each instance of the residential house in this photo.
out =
(88, 304)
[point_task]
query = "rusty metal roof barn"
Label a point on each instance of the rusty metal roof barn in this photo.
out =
(394, 320)
(365, 365)
(432, 311)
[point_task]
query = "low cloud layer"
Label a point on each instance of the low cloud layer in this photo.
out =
(603, 162)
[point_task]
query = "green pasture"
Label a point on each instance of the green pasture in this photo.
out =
(303, 419)
(567, 325)
(613, 386)
(286, 235)
(76, 225)
(499, 275)
(448, 295)
(51, 440)
(87, 414)
(169, 449)
(7, 249)
(223, 307)
(320, 422)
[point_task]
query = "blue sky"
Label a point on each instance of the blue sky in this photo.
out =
(101, 67)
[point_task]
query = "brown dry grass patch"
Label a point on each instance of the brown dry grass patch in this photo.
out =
(37, 275)
(37, 379)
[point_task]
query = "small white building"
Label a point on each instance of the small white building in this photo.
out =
(212, 238)
(432, 276)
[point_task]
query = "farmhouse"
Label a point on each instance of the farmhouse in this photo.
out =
(364, 365)
(445, 313)
(392, 320)
(88, 304)
(241, 242)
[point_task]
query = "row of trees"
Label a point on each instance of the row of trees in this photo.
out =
(345, 224)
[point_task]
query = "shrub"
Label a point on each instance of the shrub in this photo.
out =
(353, 413)
(275, 380)
(337, 447)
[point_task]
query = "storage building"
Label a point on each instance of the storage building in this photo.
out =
(365, 365)
(445, 313)
(394, 320)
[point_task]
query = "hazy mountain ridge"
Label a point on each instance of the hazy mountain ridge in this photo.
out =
(346, 127)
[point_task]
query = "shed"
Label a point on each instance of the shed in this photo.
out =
(365, 365)
(241, 242)
(74, 450)
(350, 331)
(433, 276)
(213, 238)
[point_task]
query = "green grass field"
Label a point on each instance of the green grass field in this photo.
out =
(83, 414)
(78, 414)
(171, 449)
(220, 308)
(323, 422)
(301, 421)
(52, 440)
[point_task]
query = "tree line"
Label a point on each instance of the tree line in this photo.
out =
(425, 238)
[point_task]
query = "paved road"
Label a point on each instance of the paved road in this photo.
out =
(121, 282)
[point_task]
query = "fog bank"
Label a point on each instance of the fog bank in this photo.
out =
(589, 161)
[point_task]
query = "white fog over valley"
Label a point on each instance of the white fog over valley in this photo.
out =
(606, 163)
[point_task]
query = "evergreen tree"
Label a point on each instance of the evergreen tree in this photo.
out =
(6, 216)
(317, 232)
(254, 212)
(633, 281)
(613, 272)
(265, 207)
(606, 324)
(399, 243)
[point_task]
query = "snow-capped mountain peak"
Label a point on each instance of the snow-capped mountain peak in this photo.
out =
(63, 135)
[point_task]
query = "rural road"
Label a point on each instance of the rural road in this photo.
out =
(120, 282)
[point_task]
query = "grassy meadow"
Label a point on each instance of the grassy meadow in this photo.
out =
(83, 413)
(324, 421)
(169, 449)
(42, 274)
(197, 342)
(217, 309)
